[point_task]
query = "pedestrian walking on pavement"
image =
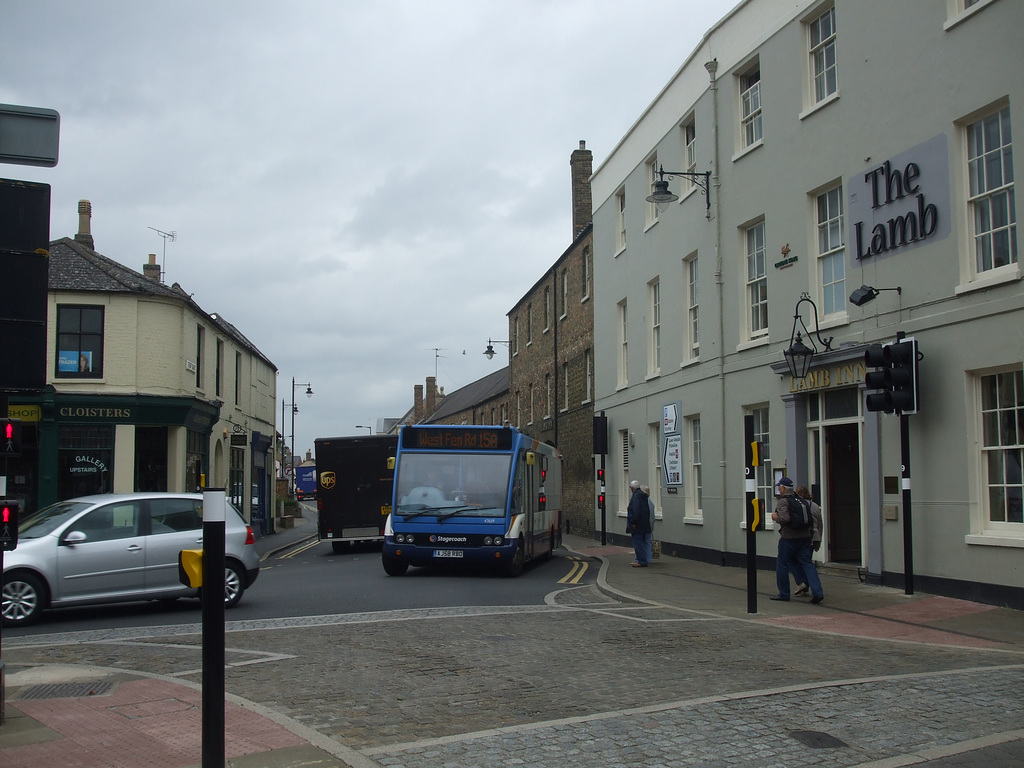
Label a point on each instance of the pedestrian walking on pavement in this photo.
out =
(638, 524)
(797, 570)
(649, 536)
(795, 544)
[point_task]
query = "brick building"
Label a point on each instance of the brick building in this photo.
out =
(551, 337)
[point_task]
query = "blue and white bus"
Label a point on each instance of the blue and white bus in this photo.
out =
(473, 494)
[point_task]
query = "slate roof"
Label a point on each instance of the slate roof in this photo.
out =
(471, 395)
(77, 268)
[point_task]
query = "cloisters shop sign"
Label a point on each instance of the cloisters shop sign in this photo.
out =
(902, 202)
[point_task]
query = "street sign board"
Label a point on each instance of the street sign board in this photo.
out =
(29, 135)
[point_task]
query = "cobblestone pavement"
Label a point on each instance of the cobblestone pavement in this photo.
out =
(648, 685)
(597, 678)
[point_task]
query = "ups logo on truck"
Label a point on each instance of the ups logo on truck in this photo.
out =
(327, 480)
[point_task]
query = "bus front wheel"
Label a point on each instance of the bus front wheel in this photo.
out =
(514, 567)
(393, 567)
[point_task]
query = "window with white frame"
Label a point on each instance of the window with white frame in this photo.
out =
(519, 408)
(696, 495)
(822, 32)
(692, 309)
(763, 474)
(588, 357)
(547, 308)
(620, 204)
(623, 379)
(565, 293)
(652, 176)
(565, 386)
(689, 152)
(991, 201)
(587, 267)
(529, 324)
(1002, 417)
(515, 336)
(831, 250)
(624, 463)
(654, 358)
(750, 107)
(654, 451)
(548, 402)
(530, 389)
(757, 281)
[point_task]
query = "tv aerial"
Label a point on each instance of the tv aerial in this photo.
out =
(172, 236)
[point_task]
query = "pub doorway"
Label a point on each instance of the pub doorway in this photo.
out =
(835, 470)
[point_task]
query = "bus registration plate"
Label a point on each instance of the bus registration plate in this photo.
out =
(447, 553)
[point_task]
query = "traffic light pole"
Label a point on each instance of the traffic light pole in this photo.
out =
(908, 536)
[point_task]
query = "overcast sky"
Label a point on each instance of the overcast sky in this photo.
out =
(353, 185)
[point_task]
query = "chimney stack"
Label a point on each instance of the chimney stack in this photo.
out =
(152, 269)
(582, 164)
(417, 404)
(84, 235)
(431, 404)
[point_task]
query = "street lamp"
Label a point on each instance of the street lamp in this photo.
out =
(866, 293)
(360, 426)
(798, 356)
(661, 196)
(489, 352)
(295, 409)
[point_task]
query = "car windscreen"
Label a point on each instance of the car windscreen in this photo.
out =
(46, 520)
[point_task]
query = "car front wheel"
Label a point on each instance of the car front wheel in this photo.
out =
(23, 598)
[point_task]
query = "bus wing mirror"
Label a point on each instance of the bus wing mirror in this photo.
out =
(531, 458)
(391, 462)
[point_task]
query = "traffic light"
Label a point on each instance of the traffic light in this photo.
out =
(9, 519)
(895, 375)
(600, 495)
(10, 437)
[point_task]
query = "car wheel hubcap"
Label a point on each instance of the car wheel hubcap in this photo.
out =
(19, 601)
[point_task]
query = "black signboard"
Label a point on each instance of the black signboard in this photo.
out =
(457, 438)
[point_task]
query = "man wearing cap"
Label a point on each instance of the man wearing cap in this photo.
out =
(794, 545)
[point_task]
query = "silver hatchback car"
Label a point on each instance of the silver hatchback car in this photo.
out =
(116, 548)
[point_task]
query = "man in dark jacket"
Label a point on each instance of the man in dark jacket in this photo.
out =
(638, 524)
(794, 544)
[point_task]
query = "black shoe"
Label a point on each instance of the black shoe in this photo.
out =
(781, 598)
(817, 599)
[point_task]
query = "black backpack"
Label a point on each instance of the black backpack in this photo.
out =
(799, 513)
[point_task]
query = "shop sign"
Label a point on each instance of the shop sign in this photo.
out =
(840, 375)
(902, 202)
(85, 464)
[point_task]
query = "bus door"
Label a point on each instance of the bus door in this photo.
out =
(526, 492)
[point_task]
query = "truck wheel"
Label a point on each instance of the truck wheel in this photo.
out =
(393, 567)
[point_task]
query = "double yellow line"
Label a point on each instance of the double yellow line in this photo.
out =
(300, 549)
(579, 567)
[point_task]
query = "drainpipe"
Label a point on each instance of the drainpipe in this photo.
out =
(712, 68)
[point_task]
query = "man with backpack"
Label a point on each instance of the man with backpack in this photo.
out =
(796, 529)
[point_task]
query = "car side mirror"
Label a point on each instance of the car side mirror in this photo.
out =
(75, 537)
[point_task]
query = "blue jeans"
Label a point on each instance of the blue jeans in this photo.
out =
(792, 553)
(649, 546)
(640, 548)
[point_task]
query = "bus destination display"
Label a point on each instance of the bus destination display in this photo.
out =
(457, 439)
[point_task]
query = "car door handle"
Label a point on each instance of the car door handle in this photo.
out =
(134, 548)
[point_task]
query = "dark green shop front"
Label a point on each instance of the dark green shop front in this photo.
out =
(69, 444)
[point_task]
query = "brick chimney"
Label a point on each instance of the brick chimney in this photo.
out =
(84, 235)
(417, 404)
(582, 164)
(431, 405)
(152, 269)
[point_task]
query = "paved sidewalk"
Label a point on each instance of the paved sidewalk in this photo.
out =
(100, 716)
